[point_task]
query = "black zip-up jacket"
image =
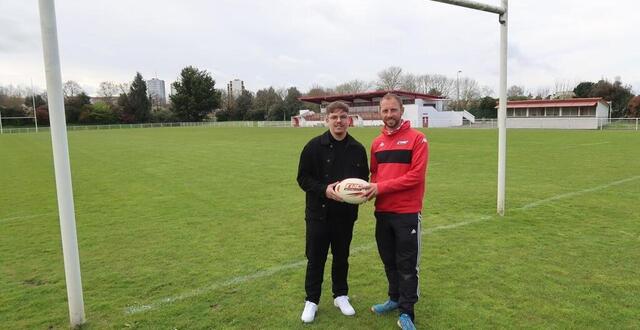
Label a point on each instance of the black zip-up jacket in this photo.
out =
(316, 171)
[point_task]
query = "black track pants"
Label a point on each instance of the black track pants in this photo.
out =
(398, 237)
(321, 234)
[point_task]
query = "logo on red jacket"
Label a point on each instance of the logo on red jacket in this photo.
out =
(402, 142)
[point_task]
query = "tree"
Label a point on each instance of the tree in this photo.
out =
(389, 78)
(486, 108)
(244, 103)
(583, 89)
(99, 113)
(317, 90)
(195, 95)
(71, 88)
(292, 104)
(633, 108)
(350, 87)
(277, 111)
(74, 105)
(542, 93)
(264, 100)
(108, 89)
(469, 92)
(137, 108)
(436, 84)
(563, 89)
(410, 83)
(515, 93)
(39, 100)
(618, 94)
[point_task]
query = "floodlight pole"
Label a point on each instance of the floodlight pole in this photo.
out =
(502, 107)
(61, 162)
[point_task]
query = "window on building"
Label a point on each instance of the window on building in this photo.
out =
(587, 111)
(536, 112)
(569, 112)
(552, 112)
(521, 113)
(509, 112)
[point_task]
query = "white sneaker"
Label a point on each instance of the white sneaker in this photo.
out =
(309, 312)
(342, 302)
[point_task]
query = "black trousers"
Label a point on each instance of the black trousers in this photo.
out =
(398, 237)
(320, 235)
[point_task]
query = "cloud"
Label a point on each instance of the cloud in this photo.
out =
(299, 43)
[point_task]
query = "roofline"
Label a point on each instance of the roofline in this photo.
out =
(534, 103)
(350, 97)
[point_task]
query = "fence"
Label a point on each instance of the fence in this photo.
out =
(603, 124)
(154, 125)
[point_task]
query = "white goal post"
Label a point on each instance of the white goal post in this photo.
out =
(502, 105)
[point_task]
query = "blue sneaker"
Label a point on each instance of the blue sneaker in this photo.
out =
(385, 307)
(405, 323)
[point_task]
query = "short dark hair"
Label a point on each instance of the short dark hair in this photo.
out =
(391, 96)
(337, 105)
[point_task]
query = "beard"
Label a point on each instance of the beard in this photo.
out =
(392, 123)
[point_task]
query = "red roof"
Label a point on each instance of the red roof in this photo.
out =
(583, 102)
(368, 96)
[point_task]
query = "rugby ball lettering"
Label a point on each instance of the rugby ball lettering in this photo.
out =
(350, 190)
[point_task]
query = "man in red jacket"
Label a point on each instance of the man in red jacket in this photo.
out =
(398, 169)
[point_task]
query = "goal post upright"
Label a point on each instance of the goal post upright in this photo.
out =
(502, 11)
(61, 162)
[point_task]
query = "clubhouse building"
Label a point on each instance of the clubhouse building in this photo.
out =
(578, 113)
(422, 110)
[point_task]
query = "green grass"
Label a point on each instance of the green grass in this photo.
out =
(212, 219)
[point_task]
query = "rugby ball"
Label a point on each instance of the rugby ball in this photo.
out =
(350, 190)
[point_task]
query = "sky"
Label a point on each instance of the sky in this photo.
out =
(311, 42)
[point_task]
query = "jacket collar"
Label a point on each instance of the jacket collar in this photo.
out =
(325, 139)
(405, 125)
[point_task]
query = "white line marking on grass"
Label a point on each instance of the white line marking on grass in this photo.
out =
(135, 309)
(580, 192)
(587, 144)
(25, 217)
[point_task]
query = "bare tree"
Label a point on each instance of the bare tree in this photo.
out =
(563, 89)
(486, 91)
(515, 92)
(123, 88)
(317, 90)
(108, 89)
(71, 88)
(436, 84)
(409, 82)
(469, 92)
(352, 86)
(542, 93)
(389, 78)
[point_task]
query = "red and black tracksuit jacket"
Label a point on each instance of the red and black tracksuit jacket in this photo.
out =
(398, 166)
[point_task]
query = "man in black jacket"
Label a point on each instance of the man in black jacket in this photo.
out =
(324, 161)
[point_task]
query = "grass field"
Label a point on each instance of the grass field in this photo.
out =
(194, 228)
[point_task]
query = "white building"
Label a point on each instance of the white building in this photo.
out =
(235, 88)
(422, 110)
(155, 90)
(579, 113)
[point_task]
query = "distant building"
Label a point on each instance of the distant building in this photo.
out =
(578, 113)
(155, 90)
(235, 88)
(422, 110)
